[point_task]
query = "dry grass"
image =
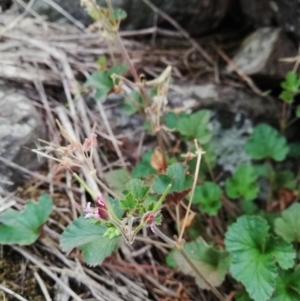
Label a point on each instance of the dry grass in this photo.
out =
(41, 58)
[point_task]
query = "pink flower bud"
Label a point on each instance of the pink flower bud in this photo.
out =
(100, 212)
(103, 214)
(149, 219)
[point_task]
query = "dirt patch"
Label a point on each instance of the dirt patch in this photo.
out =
(17, 275)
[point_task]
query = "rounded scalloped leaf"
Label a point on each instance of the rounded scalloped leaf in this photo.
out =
(213, 263)
(288, 225)
(287, 286)
(255, 254)
(266, 142)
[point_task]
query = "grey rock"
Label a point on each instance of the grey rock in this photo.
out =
(226, 99)
(256, 12)
(260, 54)
(196, 16)
(229, 143)
(287, 13)
(20, 123)
(266, 12)
(4, 5)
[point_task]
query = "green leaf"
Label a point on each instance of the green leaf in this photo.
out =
(175, 174)
(89, 238)
(195, 126)
(261, 170)
(170, 260)
(298, 111)
(171, 120)
(294, 150)
(242, 296)
(287, 286)
(133, 103)
(143, 168)
(287, 96)
(211, 262)
(254, 256)
(288, 225)
(291, 82)
(115, 204)
(24, 228)
(282, 251)
(284, 179)
(102, 62)
(102, 81)
(208, 196)
(119, 14)
(148, 204)
(128, 202)
(117, 179)
(138, 189)
(117, 69)
(248, 207)
(265, 142)
(243, 183)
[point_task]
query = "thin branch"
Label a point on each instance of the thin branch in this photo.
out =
(42, 286)
(199, 153)
(12, 293)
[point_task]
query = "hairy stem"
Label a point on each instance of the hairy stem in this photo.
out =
(172, 243)
(88, 190)
(154, 242)
(162, 148)
(283, 117)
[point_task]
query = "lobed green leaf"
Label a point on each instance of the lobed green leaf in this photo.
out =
(175, 174)
(195, 126)
(243, 183)
(265, 142)
(24, 227)
(90, 239)
(254, 256)
(288, 225)
(208, 196)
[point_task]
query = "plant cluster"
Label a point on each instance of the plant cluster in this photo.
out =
(258, 251)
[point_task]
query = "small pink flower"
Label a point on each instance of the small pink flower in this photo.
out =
(149, 219)
(100, 200)
(90, 212)
(100, 212)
